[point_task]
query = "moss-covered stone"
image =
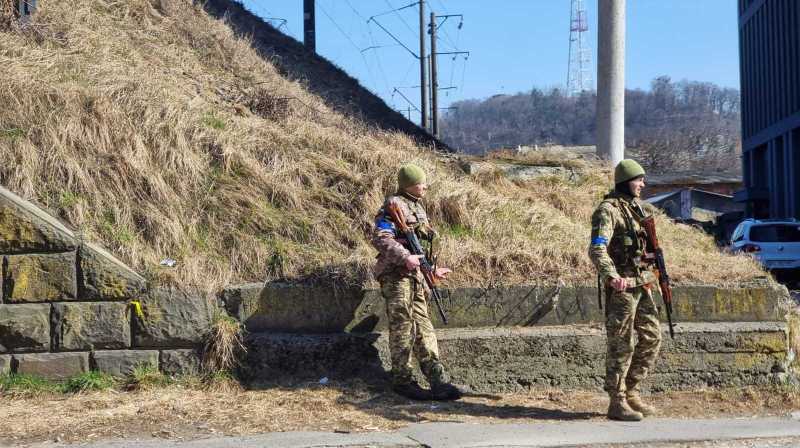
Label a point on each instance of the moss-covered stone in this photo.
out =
(122, 362)
(53, 366)
(281, 306)
(89, 326)
(24, 328)
(24, 227)
(509, 359)
(40, 278)
(180, 362)
(103, 277)
(172, 319)
(529, 305)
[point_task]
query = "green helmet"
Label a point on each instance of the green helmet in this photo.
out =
(410, 175)
(626, 170)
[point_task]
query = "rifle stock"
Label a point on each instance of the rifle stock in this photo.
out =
(416, 249)
(649, 225)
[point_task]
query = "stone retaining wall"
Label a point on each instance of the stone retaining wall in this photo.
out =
(512, 359)
(278, 307)
(509, 338)
(66, 305)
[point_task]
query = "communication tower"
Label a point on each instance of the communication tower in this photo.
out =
(579, 71)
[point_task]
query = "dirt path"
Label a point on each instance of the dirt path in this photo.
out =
(184, 413)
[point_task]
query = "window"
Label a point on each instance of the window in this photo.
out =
(775, 233)
(738, 234)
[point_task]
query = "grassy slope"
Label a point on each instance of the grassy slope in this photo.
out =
(130, 120)
(320, 77)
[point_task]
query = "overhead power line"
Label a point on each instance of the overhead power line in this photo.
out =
(396, 90)
(355, 10)
(410, 5)
(397, 13)
(347, 36)
(352, 42)
(372, 19)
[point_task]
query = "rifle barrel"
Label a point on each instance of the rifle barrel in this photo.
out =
(649, 225)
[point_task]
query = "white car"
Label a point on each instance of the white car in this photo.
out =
(774, 243)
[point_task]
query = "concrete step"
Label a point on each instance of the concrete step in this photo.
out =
(282, 307)
(509, 359)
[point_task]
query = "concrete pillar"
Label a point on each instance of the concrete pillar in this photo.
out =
(611, 80)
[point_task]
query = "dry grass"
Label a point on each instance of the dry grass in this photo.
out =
(181, 412)
(7, 15)
(146, 126)
(546, 157)
(793, 324)
(223, 347)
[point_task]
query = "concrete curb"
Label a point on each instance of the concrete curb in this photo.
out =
(451, 435)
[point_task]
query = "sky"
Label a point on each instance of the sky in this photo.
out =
(514, 45)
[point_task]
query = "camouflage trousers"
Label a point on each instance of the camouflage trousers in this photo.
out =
(410, 329)
(628, 361)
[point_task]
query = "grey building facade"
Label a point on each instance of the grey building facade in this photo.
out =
(769, 58)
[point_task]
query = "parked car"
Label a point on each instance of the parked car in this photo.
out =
(774, 243)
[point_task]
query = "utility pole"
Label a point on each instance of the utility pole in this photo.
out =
(423, 76)
(309, 26)
(434, 81)
(611, 80)
(430, 95)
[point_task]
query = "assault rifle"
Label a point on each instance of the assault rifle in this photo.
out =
(416, 249)
(649, 225)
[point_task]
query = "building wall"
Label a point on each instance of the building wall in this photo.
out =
(769, 47)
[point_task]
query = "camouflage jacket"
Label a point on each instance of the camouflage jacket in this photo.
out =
(618, 240)
(389, 241)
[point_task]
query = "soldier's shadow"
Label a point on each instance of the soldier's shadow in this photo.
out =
(386, 404)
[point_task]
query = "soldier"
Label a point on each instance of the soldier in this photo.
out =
(617, 245)
(397, 270)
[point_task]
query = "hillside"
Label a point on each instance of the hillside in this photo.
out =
(149, 126)
(319, 76)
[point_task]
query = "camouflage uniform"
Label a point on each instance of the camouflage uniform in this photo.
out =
(410, 327)
(618, 242)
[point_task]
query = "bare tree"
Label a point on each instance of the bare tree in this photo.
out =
(673, 126)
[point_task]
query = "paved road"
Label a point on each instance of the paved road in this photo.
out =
(661, 433)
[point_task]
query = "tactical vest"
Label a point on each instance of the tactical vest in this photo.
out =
(627, 246)
(413, 211)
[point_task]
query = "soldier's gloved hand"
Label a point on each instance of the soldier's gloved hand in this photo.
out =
(441, 273)
(649, 278)
(426, 232)
(619, 284)
(412, 262)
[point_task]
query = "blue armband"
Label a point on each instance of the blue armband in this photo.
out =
(599, 241)
(384, 224)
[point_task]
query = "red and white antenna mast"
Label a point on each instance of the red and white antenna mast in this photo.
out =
(579, 71)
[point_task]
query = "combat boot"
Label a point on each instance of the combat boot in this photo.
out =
(618, 409)
(442, 388)
(411, 390)
(635, 402)
(448, 391)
